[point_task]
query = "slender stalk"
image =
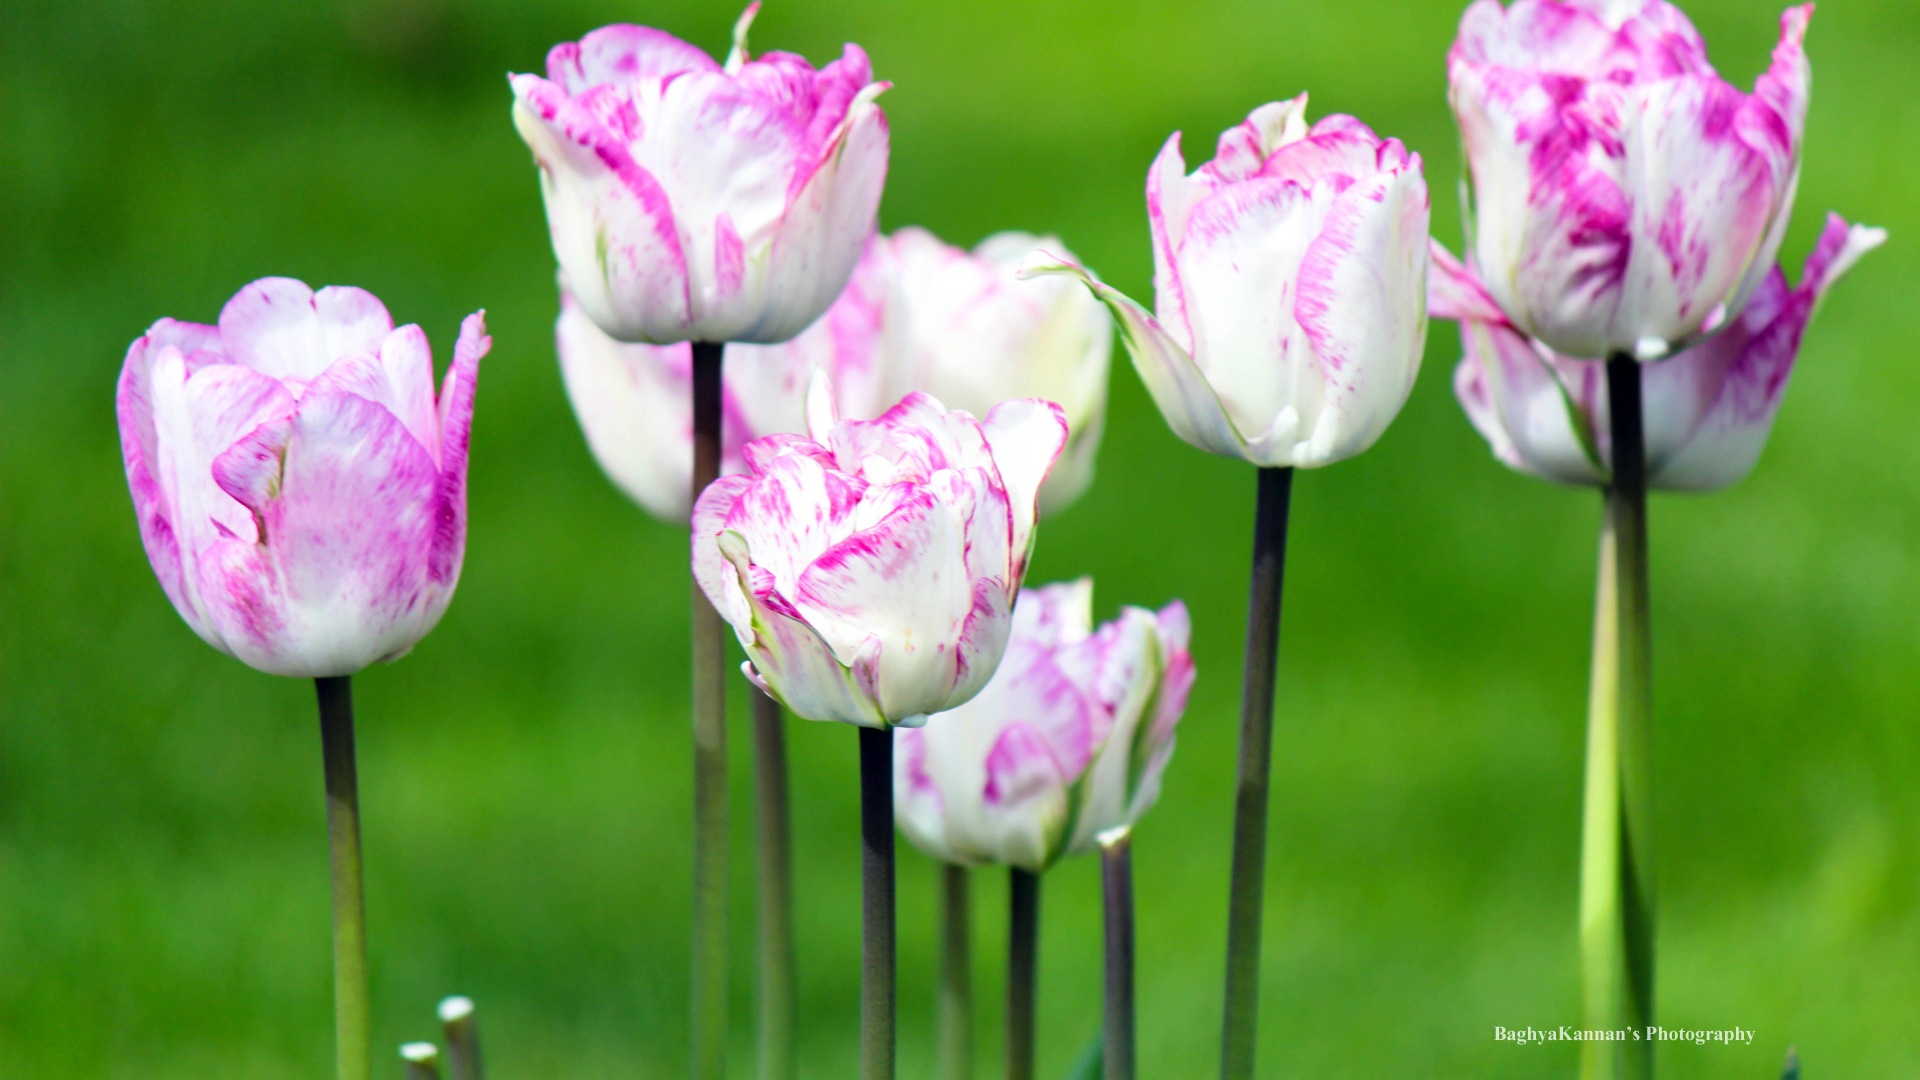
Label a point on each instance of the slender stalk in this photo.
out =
(462, 1032)
(422, 1061)
(1023, 969)
(1116, 886)
(877, 936)
(709, 757)
(779, 990)
(956, 976)
(351, 1012)
(1256, 760)
(1616, 866)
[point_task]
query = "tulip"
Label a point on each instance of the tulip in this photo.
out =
(303, 499)
(1061, 751)
(1290, 277)
(963, 326)
(1068, 740)
(694, 201)
(1709, 408)
(1626, 200)
(1289, 285)
(634, 401)
(869, 569)
(301, 494)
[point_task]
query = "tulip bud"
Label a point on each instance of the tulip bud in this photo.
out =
(870, 570)
(1289, 285)
(301, 494)
(691, 201)
(1068, 740)
(1708, 408)
(1625, 198)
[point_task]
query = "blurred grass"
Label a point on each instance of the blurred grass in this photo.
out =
(162, 871)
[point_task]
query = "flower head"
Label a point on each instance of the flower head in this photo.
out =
(694, 201)
(1067, 741)
(1626, 199)
(301, 494)
(1289, 285)
(870, 570)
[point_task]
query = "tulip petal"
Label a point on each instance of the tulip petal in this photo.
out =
(903, 583)
(797, 666)
(794, 510)
(983, 639)
(1361, 301)
(1025, 797)
(280, 327)
(838, 196)
(1739, 376)
(345, 498)
(1178, 388)
(622, 54)
(1240, 267)
(614, 229)
(634, 404)
(141, 453)
(456, 435)
(1026, 437)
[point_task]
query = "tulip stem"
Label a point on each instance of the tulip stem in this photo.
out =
(462, 1034)
(351, 1012)
(709, 757)
(956, 976)
(1116, 881)
(1616, 866)
(877, 938)
(779, 990)
(1247, 901)
(1023, 969)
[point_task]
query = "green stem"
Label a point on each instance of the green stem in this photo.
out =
(351, 1012)
(877, 932)
(1023, 970)
(779, 990)
(1616, 866)
(1247, 899)
(709, 757)
(956, 976)
(462, 1034)
(1116, 880)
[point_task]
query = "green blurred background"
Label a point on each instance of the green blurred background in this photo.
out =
(163, 900)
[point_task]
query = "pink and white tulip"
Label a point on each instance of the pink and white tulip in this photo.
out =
(917, 314)
(301, 494)
(694, 201)
(870, 569)
(1708, 409)
(1625, 198)
(1068, 740)
(1289, 286)
(963, 326)
(635, 402)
